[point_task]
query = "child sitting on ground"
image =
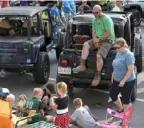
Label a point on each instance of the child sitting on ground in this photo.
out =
(60, 103)
(20, 106)
(49, 90)
(81, 117)
(35, 106)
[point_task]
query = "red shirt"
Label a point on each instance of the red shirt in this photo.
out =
(5, 4)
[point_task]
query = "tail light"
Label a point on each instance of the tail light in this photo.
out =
(64, 63)
(25, 51)
(81, 39)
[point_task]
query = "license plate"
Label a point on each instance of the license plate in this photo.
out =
(64, 70)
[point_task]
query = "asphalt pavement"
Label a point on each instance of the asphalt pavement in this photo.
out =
(96, 99)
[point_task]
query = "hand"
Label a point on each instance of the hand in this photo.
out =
(121, 84)
(96, 43)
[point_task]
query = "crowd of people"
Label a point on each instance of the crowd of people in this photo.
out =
(53, 107)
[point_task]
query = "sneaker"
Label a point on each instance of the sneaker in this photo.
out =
(96, 80)
(79, 68)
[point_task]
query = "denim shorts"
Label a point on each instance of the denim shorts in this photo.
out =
(126, 91)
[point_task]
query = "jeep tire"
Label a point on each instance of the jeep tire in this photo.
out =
(134, 92)
(136, 17)
(139, 58)
(41, 68)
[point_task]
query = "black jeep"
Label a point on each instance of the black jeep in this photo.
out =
(25, 40)
(77, 32)
(137, 8)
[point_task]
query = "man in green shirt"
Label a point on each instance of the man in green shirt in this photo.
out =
(102, 39)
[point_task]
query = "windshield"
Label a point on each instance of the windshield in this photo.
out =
(17, 26)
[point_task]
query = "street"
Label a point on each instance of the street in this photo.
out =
(96, 99)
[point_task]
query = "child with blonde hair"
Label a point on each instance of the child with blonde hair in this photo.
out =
(34, 105)
(20, 107)
(81, 116)
(60, 103)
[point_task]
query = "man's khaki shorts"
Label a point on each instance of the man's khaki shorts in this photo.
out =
(104, 48)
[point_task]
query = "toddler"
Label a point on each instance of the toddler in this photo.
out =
(20, 106)
(81, 117)
(60, 103)
(34, 105)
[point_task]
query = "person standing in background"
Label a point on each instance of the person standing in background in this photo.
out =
(67, 9)
(73, 7)
(114, 6)
(120, 4)
(24, 3)
(84, 7)
(56, 18)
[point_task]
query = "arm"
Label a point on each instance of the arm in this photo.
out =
(60, 20)
(95, 39)
(129, 72)
(42, 112)
(94, 35)
(41, 108)
(130, 60)
(88, 7)
(53, 104)
(74, 116)
(106, 35)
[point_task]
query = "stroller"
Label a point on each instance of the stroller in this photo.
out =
(115, 119)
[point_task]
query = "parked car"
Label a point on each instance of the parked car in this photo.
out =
(77, 32)
(137, 8)
(25, 40)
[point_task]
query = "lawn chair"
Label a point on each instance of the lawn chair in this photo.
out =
(5, 114)
(110, 122)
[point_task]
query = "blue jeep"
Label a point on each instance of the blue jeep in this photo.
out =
(25, 40)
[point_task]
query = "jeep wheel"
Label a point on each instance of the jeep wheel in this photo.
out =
(58, 52)
(134, 92)
(136, 17)
(139, 58)
(41, 68)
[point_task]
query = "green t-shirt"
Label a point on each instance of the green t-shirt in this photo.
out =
(103, 24)
(34, 104)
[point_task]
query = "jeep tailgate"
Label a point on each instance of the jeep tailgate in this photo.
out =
(91, 64)
(13, 51)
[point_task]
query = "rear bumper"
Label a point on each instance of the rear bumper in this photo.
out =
(17, 66)
(80, 82)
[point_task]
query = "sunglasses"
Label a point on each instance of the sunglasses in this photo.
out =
(95, 13)
(118, 47)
